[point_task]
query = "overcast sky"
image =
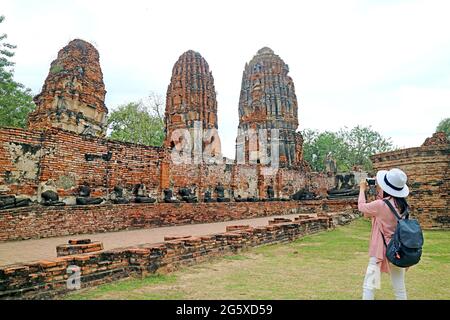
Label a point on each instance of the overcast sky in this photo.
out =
(381, 63)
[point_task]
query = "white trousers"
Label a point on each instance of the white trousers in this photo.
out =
(373, 277)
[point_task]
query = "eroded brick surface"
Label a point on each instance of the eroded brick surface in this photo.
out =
(73, 95)
(191, 98)
(46, 278)
(268, 101)
(43, 222)
(427, 168)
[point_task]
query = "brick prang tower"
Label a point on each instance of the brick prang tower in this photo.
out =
(73, 94)
(191, 98)
(268, 101)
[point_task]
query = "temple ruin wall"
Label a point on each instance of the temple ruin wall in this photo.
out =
(427, 168)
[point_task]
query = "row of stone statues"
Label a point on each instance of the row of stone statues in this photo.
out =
(9, 202)
(139, 194)
(117, 196)
(345, 187)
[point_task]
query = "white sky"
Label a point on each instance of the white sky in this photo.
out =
(380, 63)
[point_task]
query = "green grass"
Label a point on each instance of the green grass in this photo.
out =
(327, 265)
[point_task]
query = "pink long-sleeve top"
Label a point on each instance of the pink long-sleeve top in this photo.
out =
(382, 220)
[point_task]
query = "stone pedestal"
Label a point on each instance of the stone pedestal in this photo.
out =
(78, 247)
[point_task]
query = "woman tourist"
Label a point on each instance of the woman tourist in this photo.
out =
(391, 185)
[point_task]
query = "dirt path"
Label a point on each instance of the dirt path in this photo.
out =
(29, 250)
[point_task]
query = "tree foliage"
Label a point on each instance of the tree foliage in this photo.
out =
(316, 146)
(444, 126)
(139, 122)
(349, 147)
(16, 101)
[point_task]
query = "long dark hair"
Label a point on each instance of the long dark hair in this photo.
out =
(401, 203)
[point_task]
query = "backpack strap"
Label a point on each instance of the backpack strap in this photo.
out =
(392, 209)
(406, 214)
(395, 214)
(384, 240)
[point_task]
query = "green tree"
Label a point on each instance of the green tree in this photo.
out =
(138, 122)
(16, 101)
(444, 126)
(349, 147)
(363, 142)
(317, 145)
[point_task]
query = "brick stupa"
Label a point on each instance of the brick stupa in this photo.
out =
(191, 100)
(73, 95)
(268, 101)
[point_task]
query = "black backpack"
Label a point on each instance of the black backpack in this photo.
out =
(405, 248)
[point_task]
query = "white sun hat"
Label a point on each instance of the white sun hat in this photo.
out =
(393, 182)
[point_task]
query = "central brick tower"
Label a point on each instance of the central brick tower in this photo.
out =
(268, 101)
(191, 100)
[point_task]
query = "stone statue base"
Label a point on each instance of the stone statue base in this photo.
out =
(144, 200)
(87, 201)
(303, 194)
(53, 203)
(120, 201)
(171, 201)
(8, 202)
(190, 199)
(336, 194)
(270, 199)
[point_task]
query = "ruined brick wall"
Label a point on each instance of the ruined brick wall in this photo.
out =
(214, 174)
(427, 168)
(33, 161)
(46, 278)
(245, 180)
(20, 153)
(65, 148)
(292, 181)
(201, 178)
(43, 222)
(185, 175)
(70, 166)
(320, 183)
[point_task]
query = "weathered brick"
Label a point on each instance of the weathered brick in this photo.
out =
(427, 168)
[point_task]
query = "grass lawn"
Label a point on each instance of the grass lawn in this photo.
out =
(327, 265)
